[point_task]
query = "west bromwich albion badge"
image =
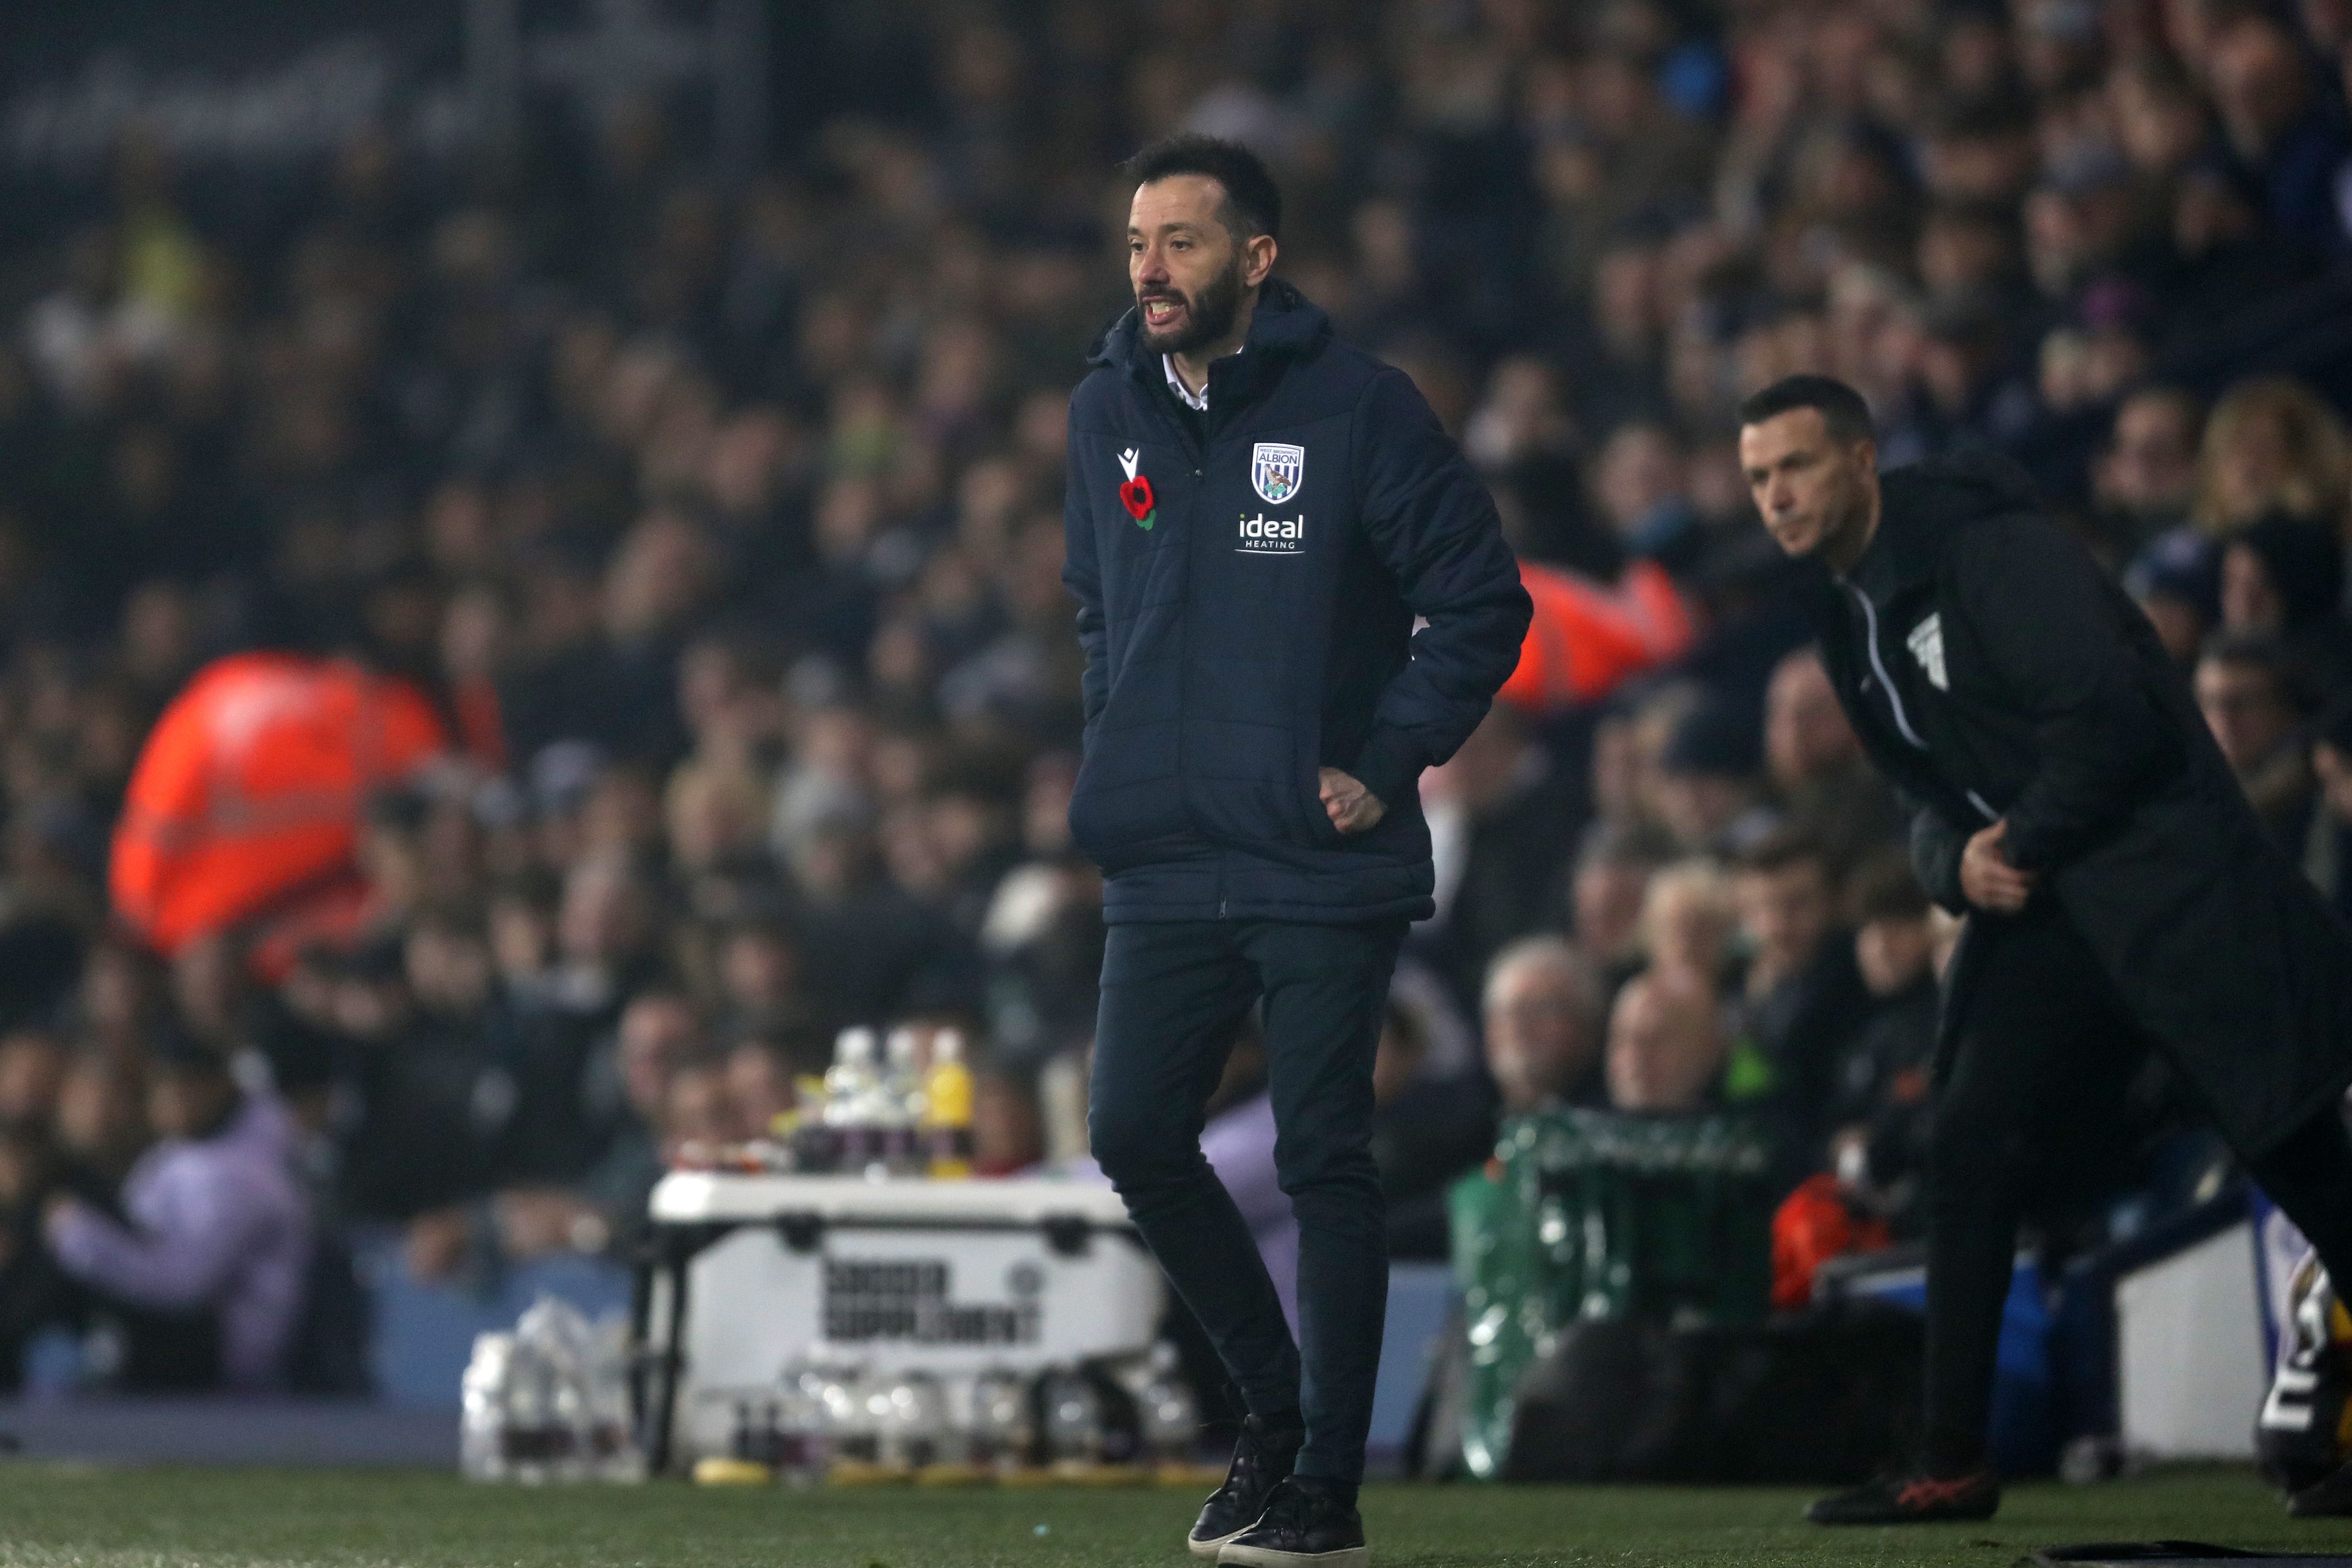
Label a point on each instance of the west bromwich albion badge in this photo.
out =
(1276, 471)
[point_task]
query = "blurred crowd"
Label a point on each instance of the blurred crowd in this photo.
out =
(721, 524)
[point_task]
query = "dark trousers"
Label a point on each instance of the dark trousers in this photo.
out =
(2032, 1105)
(1173, 995)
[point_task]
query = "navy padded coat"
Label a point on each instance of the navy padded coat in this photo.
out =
(1261, 625)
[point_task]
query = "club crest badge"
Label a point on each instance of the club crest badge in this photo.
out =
(1926, 642)
(1276, 471)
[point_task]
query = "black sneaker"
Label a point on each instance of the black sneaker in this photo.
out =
(1261, 1459)
(2330, 1496)
(1913, 1496)
(1306, 1525)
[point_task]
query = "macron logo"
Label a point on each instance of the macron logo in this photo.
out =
(1262, 534)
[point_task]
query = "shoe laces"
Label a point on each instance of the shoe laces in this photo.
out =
(1290, 1505)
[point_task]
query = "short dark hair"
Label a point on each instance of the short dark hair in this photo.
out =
(1788, 844)
(1253, 203)
(1841, 408)
(2269, 654)
(1885, 887)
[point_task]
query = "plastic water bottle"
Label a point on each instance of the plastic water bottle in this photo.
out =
(849, 1421)
(482, 1428)
(912, 1419)
(947, 1110)
(1003, 1434)
(1074, 1418)
(851, 1088)
(802, 1450)
(1167, 1411)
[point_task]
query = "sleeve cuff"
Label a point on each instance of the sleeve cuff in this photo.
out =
(1389, 766)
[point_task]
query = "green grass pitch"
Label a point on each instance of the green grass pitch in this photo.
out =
(54, 1515)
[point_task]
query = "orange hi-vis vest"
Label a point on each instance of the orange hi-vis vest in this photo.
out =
(251, 786)
(1586, 640)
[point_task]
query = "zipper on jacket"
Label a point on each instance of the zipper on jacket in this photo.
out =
(1870, 621)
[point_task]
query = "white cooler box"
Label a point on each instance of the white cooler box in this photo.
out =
(952, 1278)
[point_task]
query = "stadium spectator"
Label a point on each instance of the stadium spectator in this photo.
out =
(2251, 693)
(2145, 480)
(1816, 765)
(1689, 922)
(1615, 861)
(1878, 1112)
(1665, 1048)
(1542, 1015)
(2175, 579)
(2327, 852)
(1707, 778)
(1803, 998)
(2271, 444)
(205, 1267)
(2282, 577)
(1502, 819)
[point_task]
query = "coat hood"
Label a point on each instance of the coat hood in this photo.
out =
(1922, 502)
(1285, 322)
(1958, 487)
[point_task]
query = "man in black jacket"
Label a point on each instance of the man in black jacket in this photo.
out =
(1255, 514)
(2119, 892)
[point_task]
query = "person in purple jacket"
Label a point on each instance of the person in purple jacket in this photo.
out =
(207, 1269)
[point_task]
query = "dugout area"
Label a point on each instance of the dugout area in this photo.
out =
(54, 1513)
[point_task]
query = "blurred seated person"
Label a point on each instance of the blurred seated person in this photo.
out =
(2252, 699)
(2328, 849)
(1879, 1111)
(1426, 1131)
(760, 1086)
(32, 1069)
(1542, 1009)
(1008, 1124)
(1802, 997)
(1657, 1207)
(2176, 580)
(1814, 762)
(761, 988)
(659, 1039)
(35, 1293)
(1614, 863)
(2282, 577)
(1707, 777)
(206, 1270)
(1502, 819)
(2145, 480)
(1666, 1052)
(101, 1119)
(1688, 922)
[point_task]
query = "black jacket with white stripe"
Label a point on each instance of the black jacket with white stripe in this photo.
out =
(1995, 674)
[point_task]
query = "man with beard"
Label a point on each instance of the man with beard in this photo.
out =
(2119, 893)
(1255, 514)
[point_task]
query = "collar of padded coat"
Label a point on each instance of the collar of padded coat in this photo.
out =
(1286, 325)
(1922, 502)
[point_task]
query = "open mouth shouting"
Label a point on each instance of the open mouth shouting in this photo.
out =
(1163, 312)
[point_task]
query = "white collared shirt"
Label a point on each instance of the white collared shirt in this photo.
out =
(1176, 384)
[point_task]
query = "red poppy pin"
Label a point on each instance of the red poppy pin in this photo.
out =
(1136, 494)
